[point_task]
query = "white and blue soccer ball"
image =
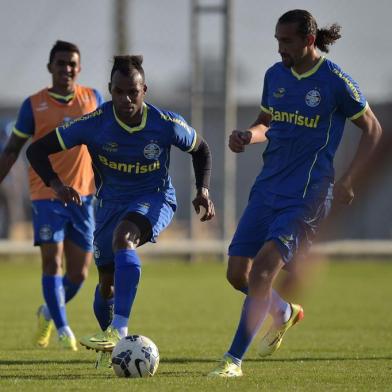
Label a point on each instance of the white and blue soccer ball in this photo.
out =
(135, 356)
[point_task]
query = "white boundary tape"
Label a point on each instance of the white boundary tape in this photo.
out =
(186, 247)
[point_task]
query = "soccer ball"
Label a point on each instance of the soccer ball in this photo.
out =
(135, 356)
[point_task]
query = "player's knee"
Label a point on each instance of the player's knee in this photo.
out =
(262, 275)
(78, 277)
(263, 271)
(106, 290)
(126, 236)
(52, 265)
(238, 280)
(123, 242)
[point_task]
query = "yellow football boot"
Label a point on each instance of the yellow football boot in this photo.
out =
(44, 329)
(226, 368)
(104, 360)
(101, 341)
(68, 343)
(273, 338)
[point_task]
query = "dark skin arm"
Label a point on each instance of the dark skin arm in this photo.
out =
(10, 154)
(371, 134)
(202, 199)
(38, 155)
(201, 158)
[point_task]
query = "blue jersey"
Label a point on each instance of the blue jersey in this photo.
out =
(129, 161)
(308, 113)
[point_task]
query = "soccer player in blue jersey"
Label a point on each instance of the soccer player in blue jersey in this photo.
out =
(129, 141)
(59, 231)
(305, 102)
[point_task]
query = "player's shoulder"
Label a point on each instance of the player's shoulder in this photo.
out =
(93, 118)
(27, 103)
(101, 111)
(342, 79)
(81, 87)
(336, 72)
(91, 91)
(161, 112)
(277, 68)
(38, 94)
(166, 117)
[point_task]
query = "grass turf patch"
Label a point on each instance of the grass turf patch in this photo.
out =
(190, 312)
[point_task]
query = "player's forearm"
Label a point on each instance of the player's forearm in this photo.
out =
(39, 161)
(259, 128)
(364, 153)
(258, 133)
(38, 156)
(202, 163)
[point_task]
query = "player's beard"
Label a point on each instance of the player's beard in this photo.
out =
(287, 60)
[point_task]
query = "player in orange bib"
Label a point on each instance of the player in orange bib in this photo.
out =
(61, 231)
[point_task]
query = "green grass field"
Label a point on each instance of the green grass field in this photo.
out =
(343, 344)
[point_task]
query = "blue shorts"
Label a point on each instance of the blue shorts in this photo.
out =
(108, 215)
(291, 227)
(53, 222)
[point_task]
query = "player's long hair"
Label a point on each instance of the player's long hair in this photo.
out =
(127, 65)
(63, 46)
(307, 25)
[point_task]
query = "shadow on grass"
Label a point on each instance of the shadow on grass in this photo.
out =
(108, 374)
(11, 362)
(194, 360)
(297, 359)
(63, 377)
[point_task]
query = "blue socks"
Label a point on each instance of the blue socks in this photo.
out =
(127, 273)
(70, 288)
(254, 312)
(53, 291)
(103, 309)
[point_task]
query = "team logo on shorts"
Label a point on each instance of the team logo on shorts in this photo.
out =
(97, 252)
(45, 233)
(152, 151)
(110, 147)
(313, 98)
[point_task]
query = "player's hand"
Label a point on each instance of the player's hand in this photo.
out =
(238, 140)
(65, 193)
(202, 199)
(343, 191)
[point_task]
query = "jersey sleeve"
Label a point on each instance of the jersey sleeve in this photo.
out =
(264, 97)
(78, 131)
(25, 125)
(352, 103)
(98, 97)
(183, 136)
